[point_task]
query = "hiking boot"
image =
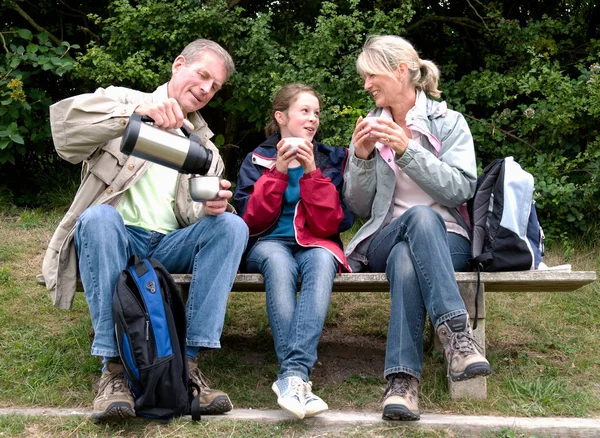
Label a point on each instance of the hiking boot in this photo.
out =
(313, 404)
(290, 395)
(114, 400)
(212, 401)
(463, 355)
(401, 398)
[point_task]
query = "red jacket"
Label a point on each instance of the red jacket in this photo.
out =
(320, 215)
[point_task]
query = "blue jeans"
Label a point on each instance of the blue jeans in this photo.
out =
(210, 250)
(296, 322)
(419, 258)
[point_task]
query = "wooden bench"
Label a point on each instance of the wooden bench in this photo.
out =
(525, 281)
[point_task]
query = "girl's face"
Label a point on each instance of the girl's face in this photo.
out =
(301, 119)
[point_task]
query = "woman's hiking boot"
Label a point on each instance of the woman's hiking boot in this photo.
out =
(401, 398)
(464, 357)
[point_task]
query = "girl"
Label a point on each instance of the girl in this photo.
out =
(289, 194)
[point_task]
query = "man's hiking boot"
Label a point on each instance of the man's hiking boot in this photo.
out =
(401, 398)
(114, 400)
(212, 401)
(463, 355)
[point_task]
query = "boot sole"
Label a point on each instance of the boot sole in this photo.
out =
(115, 411)
(399, 413)
(474, 370)
(219, 405)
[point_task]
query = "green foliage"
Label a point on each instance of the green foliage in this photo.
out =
(268, 54)
(23, 114)
(526, 77)
(536, 104)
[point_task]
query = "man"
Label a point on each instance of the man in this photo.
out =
(128, 205)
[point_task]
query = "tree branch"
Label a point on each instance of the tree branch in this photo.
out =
(4, 42)
(480, 17)
(507, 133)
(466, 22)
(30, 20)
(89, 32)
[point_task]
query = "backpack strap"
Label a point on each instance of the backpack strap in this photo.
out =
(477, 291)
(195, 407)
(149, 287)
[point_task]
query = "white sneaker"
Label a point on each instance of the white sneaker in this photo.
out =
(290, 395)
(313, 404)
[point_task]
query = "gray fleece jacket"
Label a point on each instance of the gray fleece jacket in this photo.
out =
(442, 164)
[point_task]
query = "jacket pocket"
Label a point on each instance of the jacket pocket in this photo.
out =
(110, 162)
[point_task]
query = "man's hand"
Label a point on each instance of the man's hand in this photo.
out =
(218, 206)
(166, 114)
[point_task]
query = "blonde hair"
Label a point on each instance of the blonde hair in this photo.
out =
(382, 54)
(193, 50)
(282, 101)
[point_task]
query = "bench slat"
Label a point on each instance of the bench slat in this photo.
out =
(522, 281)
(525, 281)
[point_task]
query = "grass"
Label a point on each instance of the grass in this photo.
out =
(76, 426)
(543, 348)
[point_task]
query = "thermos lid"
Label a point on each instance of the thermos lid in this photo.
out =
(131, 134)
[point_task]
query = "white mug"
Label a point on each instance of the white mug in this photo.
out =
(293, 142)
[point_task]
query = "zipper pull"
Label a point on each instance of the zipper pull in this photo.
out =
(147, 328)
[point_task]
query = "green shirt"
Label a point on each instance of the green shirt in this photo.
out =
(154, 195)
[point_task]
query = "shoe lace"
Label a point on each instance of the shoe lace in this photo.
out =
(464, 344)
(308, 390)
(297, 389)
(114, 383)
(198, 378)
(398, 384)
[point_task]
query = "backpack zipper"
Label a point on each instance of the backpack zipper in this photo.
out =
(147, 326)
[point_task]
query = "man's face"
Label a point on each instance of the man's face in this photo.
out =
(193, 85)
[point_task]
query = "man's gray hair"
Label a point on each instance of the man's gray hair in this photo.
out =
(193, 50)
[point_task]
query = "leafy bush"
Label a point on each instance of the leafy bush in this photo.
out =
(537, 105)
(526, 77)
(24, 111)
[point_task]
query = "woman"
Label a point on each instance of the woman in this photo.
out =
(289, 194)
(411, 169)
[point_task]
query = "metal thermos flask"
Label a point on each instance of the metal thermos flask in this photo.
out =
(184, 154)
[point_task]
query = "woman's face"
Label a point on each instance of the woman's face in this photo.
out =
(301, 119)
(385, 90)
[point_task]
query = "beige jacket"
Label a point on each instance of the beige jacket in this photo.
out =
(87, 129)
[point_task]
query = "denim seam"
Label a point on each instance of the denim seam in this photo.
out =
(104, 353)
(401, 369)
(201, 343)
(448, 316)
(292, 374)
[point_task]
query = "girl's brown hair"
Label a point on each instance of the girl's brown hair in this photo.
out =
(282, 101)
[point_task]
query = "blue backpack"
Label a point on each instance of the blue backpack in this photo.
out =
(150, 326)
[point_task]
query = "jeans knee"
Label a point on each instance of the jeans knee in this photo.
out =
(399, 263)
(98, 220)
(423, 216)
(231, 227)
(323, 259)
